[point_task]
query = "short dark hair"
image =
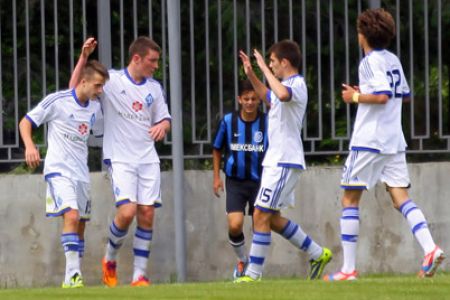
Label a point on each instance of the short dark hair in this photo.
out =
(245, 86)
(141, 45)
(377, 26)
(289, 50)
(93, 66)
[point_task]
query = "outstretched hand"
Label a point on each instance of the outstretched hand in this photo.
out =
(246, 62)
(88, 47)
(259, 59)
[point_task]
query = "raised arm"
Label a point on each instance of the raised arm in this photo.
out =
(260, 88)
(32, 156)
(88, 47)
(276, 86)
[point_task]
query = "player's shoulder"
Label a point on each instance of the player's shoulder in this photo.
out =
(57, 97)
(154, 83)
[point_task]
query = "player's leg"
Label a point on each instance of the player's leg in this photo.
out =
(123, 180)
(239, 192)
(433, 254)
(397, 180)
(141, 244)
(260, 245)
(319, 257)
(81, 243)
(62, 201)
(70, 243)
(236, 239)
(149, 198)
(84, 210)
(362, 170)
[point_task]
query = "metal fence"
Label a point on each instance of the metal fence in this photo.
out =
(40, 40)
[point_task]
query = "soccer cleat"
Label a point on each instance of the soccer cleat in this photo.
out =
(431, 262)
(141, 281)
(239, 270)
(340, 276)
(76, 281)
(245, 279)
(319, 264)
(109, 273)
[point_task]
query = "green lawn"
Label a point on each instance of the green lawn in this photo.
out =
(374, 287)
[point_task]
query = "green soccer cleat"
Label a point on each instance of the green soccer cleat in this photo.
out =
(319, 264)
(245, 279)
(75, 282)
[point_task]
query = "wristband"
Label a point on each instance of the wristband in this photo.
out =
(355, 97)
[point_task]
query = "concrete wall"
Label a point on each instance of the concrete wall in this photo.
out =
(31, 254)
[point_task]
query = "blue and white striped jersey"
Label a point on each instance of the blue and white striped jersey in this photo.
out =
(378, 127)
(245, 144)
(69, 123)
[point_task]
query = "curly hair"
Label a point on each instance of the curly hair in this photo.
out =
(377, 26)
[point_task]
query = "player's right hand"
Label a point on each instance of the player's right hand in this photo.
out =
(32, 157)
(217, 185)
(88, 47)
(245, 62)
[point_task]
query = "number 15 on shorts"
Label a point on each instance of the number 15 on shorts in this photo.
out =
(265, 195)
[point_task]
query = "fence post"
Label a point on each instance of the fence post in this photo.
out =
(173, 17)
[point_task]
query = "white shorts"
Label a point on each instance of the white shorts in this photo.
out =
(137, 183)
(363, 169)
(64, 194)
(277, 188)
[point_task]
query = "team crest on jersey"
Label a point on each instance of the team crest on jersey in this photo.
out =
(258, 137)
(83, 129)
(92, 122)
(149, 100)
(137, 106)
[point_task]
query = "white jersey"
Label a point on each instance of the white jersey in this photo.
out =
(130, 110)
(69, 123)
(285, 126)
(378, 127)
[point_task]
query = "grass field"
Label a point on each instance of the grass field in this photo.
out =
(374, 287)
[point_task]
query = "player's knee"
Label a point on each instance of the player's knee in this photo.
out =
(235, 228)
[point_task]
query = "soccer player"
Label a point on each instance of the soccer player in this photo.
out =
(284, 158)
(243, 136)
(377, 147)
(136, 116)
(70, 115)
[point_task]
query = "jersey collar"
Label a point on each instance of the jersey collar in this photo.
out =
(78, 101)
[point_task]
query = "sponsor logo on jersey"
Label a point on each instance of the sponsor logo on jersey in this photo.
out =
(258, 137)
(133, 117)
(136, 106)
(149, 100)
(247, 147)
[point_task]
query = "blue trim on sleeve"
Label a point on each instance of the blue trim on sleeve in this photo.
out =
(406, 94)
(31, 121)
(290, 92)
(268, 96)
(373, 150)
(388, 93)
(51, 175)
(290, 165)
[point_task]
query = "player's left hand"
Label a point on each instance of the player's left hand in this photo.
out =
(259, 59)
(157, 132)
